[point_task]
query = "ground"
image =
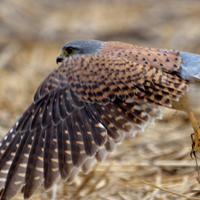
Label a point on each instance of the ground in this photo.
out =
(31, 36)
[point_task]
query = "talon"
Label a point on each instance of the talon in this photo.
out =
(195, 137)
(193, 144)
(193, 153)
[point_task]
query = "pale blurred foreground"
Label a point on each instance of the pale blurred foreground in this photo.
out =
(31, 36)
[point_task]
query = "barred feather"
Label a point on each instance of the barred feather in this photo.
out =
(83, 109)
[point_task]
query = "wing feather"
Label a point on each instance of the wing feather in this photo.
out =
(51, 167)
(62, 109)
(79, 114)
(34, 173)
(47, 113)
(89, 143)
(17, 171)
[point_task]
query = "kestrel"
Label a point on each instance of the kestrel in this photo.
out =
(79, 113)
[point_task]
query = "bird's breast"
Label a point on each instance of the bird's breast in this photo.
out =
(191, 99)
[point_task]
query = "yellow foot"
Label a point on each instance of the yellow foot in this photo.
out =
(196, 135)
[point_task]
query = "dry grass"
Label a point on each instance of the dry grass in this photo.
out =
(152, 166)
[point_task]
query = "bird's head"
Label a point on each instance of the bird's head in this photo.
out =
(78, 47)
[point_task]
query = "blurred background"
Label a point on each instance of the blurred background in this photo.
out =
(31, 34)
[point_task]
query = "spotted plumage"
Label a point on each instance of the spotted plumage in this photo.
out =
(83, 109)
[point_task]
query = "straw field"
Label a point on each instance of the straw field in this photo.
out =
(154, 164)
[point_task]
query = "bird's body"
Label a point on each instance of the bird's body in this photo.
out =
(191, 72)
(83, 108)
(190, 101)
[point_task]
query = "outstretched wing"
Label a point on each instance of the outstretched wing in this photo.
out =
(79, 114)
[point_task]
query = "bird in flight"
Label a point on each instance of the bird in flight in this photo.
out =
(83, 109)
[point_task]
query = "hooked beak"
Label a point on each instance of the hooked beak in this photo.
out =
(59, 58)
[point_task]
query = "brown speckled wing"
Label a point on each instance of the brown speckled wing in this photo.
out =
(102, 79)
(166, 60)
(82, 110)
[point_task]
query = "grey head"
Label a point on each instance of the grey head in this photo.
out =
(78, 47)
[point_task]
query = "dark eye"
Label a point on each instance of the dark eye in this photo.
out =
(68, 51)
